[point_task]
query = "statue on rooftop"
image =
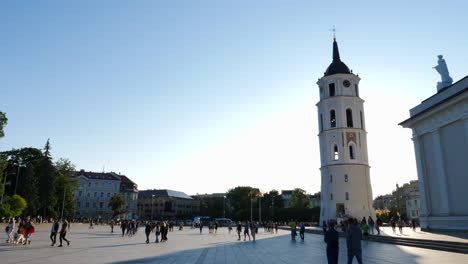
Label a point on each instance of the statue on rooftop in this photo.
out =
(444, 74)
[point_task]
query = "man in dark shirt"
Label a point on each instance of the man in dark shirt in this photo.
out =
(353, 241)
(332, 238)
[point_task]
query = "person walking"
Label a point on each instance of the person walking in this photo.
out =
(29, 230)
(353, 242)
(293, 226)
(332, 239)
(54, 231)
(379, 224)
(276, 227)
(123, 226)
(157, 232)
(9, 230)
(302, 230)
(239, 230)
(393, 224)
(63, 233)
(246, 230)
(112, 224)
(148, 229)
(400, 226)
(371, 225)
(253, 228)
(201, 227)
(215, 227)
(413, 224)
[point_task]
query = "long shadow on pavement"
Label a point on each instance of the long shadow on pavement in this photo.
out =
(279, 249)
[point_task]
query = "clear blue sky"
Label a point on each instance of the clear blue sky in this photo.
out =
(202, 96)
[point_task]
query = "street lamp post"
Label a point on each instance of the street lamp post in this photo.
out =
(152, 198)
(224, 211)
(260, 208)
(63, 201)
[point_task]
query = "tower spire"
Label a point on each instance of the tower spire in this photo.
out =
(336, 52)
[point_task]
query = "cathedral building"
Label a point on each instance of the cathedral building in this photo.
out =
(440, 136)
(346, 187)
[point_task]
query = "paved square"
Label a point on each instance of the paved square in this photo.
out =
(188, 246)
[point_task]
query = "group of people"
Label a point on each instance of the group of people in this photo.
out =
(293, 226)
(63, 232)
(353, 241)
(23, 233)
(159, 228)
(128, 227)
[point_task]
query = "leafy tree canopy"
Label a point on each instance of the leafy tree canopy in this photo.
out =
(118, 205)
(3, 122)
(299, 199)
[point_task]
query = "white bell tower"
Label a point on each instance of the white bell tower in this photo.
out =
(346, 189)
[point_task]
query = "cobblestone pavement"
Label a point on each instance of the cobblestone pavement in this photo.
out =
(188, 246)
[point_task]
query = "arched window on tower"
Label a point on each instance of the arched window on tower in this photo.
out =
(356, 89)
(332, 118)
(349, 117)
(347, 196)
(331, 89)
(331, 196)
(331, 178)
(336, 156)
(346, 178)
(351, 152)
(362, 122)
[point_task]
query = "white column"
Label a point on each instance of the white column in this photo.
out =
(425, 210)
(442, 178)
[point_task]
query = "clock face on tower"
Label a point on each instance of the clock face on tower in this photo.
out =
(346, 83)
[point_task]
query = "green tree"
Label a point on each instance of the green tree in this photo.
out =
(46, 175)
(3, 122)
(14, 206)
(240, 201)
(3, 163)
(118, 205)
(299, 199)
(66, 185)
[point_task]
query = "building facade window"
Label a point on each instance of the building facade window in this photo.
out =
(80, 193)
(349, 117)
(332, 118)
(351, 152)
(331, 89)
(336, 156)
(78, 204)
(87, 205)
(346, 178)
(108, 195)
(347, 196)
(102, 194)
(95, 194)
(101, 204)
(331, 196)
